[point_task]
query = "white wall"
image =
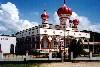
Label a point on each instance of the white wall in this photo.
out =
(51, 32)
(61, 33)
(6, 42)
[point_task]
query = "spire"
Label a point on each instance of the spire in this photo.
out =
(44, 10)
(64, 2)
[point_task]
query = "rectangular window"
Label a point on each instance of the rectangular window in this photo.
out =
(32, 32)
(44, 25)
(32, 28)
(29, 32)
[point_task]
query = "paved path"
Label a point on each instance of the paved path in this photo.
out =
(87, 58)
(69, 64)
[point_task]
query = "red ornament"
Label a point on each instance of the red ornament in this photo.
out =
(64, 10)
(45, 15)
(75, 21)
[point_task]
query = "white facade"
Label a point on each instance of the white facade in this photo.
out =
(6, 42)
(51, 33)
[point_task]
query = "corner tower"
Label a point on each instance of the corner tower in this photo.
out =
(45, 18)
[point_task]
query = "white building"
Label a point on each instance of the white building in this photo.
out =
(51, 37)
(7, 44)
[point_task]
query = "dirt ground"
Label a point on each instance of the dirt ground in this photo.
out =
(70, 64)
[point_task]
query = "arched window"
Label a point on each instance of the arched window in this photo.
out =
(11, 48)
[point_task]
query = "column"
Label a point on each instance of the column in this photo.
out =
(50, 55)
(90, 55)
(71, 55)
(26, 54)
(62, 56)
(1, 55)
(35, 42)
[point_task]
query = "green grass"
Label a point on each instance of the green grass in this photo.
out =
(19, 65)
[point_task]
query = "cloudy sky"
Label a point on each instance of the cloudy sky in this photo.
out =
(16, 15)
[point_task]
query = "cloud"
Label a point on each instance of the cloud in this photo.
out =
(85, 23)
(56, 18)
(10, 20)
(27, 24)
(3, 28)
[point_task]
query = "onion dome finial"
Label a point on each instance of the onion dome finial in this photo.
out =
(75, 21)
(45, 15)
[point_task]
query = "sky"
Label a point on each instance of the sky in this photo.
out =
(16, 15)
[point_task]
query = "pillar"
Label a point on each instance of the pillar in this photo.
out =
(50, 55)
(62, 56)
(90, 55)
(71, 55)
(1, 55)
(26, 54)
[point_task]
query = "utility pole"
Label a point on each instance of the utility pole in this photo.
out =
(64, 40)
(93, 41)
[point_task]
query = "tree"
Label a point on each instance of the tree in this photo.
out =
(75, 47)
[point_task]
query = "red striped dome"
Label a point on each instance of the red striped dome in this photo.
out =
(64, 10)
(45, 15)
(75, 21)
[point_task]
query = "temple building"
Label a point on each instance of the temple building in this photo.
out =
(49, 37)
(7, 44)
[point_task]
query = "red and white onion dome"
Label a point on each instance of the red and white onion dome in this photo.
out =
(75, 22)
(64, 10)
(45, 15)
